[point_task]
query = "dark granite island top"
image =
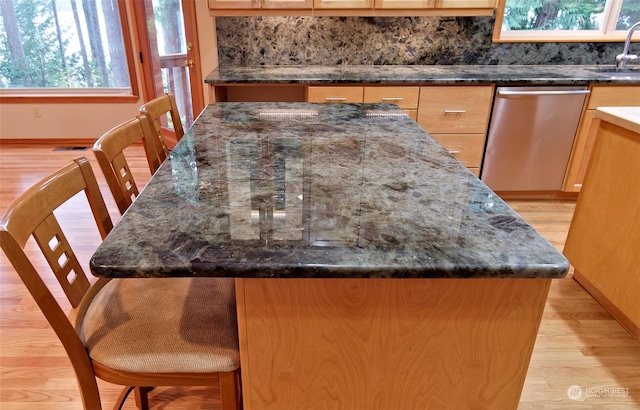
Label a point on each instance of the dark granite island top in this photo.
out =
(372, 270)
(423, 74)
(298, 190)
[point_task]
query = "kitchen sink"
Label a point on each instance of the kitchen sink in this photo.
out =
(629, 72)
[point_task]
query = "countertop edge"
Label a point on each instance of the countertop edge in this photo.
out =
(417, 75)
(625, 117)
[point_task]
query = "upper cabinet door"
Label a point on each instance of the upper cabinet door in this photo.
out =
(260, 4)
(465, 4)
(352, 7)
(343, 4)
(232, 4)
(286, 4)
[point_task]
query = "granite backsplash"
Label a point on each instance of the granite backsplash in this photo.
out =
(252, 41)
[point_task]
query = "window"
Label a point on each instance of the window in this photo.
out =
(565, 20)
(65, 48)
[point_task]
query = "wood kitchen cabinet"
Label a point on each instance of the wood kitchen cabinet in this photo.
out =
(404, 97)
(343, 4)
(601, 96)
(331, 94)
(458, 117)
(604, 236)
(261, 93)
(467, 148)
(435, 4)
(260, 4)
(404, 4)
(352, 7)
(465, 4)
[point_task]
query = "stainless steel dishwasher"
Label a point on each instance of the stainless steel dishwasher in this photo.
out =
(530, 137)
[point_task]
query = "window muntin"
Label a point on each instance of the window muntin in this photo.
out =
(65, 47)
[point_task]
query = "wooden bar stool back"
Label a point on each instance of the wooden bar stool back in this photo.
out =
(129, 332)
(163, 111)
(109, 150)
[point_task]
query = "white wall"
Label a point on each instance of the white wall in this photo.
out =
(91, 120)
(62, 121)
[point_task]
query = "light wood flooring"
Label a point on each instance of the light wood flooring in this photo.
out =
(579, 343)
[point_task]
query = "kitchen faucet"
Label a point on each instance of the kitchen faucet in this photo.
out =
(621, 59)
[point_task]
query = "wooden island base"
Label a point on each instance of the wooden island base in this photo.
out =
(604, 237)
(338, 332)
(386, 343)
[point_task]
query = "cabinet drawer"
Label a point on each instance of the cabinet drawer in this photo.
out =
(412, 113)
(335, 94)
(404, 97)
(455, 109)
(612, 96)
(466, 148)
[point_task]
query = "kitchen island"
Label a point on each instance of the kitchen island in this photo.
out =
(374, 271)
(604, 236)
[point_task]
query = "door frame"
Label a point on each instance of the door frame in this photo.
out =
(144, 57)
(195, 74)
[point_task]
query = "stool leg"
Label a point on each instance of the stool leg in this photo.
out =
(142, 397)
(230, 390)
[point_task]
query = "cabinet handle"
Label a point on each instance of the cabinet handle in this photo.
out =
(551, 92)
(336, 98)
(454, 152)
(455, 111)
(392, 98)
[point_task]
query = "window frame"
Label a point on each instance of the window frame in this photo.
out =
(607, 33)
(85, 95)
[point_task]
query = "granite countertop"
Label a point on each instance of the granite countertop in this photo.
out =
(625, 117)
(319, 191)
(421, 74)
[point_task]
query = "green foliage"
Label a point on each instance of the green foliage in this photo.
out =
(42, 66)
(629, 14)
(552, 14)
(37, 32)
(166, 15)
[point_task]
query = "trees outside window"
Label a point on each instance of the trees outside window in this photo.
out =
(629, 14)
(557, 20)
(63, 44)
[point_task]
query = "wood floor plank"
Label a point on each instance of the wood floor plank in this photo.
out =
(578, 343)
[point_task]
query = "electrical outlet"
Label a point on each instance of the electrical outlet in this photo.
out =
(36, 111)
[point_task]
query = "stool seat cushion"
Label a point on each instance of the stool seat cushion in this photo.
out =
(164, 325)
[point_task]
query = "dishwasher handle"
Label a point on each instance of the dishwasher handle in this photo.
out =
(547, 92)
